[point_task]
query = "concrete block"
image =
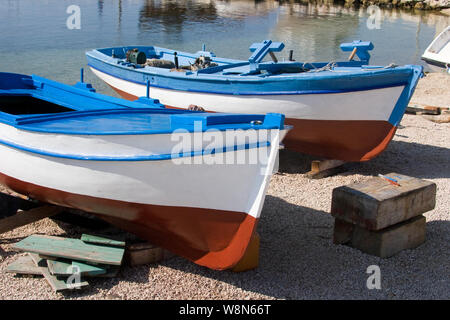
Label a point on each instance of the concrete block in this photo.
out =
(376, 204)
(382, 243)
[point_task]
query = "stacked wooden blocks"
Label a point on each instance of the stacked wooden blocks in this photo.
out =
(380, 217)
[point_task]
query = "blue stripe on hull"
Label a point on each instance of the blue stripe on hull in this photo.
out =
(151, 157)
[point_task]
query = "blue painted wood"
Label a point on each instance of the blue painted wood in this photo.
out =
(362, 49)
(96, 114)
(261, 49)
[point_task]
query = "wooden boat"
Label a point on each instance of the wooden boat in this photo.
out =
(437, 55)
(340, 110)
(123, 161)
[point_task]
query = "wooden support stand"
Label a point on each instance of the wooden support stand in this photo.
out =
(430, 110)
(250, 260)
(381, 218)
(23, 218)
(325, 168)
(145, 253)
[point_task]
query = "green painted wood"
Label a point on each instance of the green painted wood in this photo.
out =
(67, 268)
(38, 261)
(87, 269)
(56, 284)
(59, 268)
(112, 272)
(73, 249)
(100, 240)
(24, 265)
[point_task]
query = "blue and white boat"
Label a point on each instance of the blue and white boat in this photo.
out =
(344, 110)
(191, 182)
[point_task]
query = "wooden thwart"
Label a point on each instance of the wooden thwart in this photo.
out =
(71, 249)
(26, 217)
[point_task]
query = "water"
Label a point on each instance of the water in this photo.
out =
(35, 39)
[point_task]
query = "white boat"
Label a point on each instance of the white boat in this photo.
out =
(345, 110)
(191, 182)
(437, 55)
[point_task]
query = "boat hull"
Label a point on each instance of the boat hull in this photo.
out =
(349, 126)
(191, 206)
(213, 238)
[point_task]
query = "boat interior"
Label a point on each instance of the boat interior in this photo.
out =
(39, 104)
(25, 105)
(207, 63)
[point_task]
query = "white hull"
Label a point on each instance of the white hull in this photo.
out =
(437, 55)
(196, 183)
(376, 104)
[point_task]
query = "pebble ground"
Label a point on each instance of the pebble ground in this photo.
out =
(297, 257)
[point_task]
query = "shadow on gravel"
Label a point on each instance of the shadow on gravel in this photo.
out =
(412, 159)
(299, 261)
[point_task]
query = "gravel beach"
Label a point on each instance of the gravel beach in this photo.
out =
(297, 257)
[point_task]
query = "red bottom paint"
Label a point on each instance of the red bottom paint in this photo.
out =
(349, 140)
(216, 239)
(342, 140)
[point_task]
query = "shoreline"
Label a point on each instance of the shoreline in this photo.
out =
(442, 6)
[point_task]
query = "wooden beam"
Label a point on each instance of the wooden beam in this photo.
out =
(324, 168)
(23, 218)
(9, 204)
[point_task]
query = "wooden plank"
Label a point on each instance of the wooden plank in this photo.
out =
(416, 109)
(56, 284)
(376, 204)
(324, 168)
(59, 268)
(67, 268)
(73, 249)
(24, 265)
(101, 240)
(26, 217)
